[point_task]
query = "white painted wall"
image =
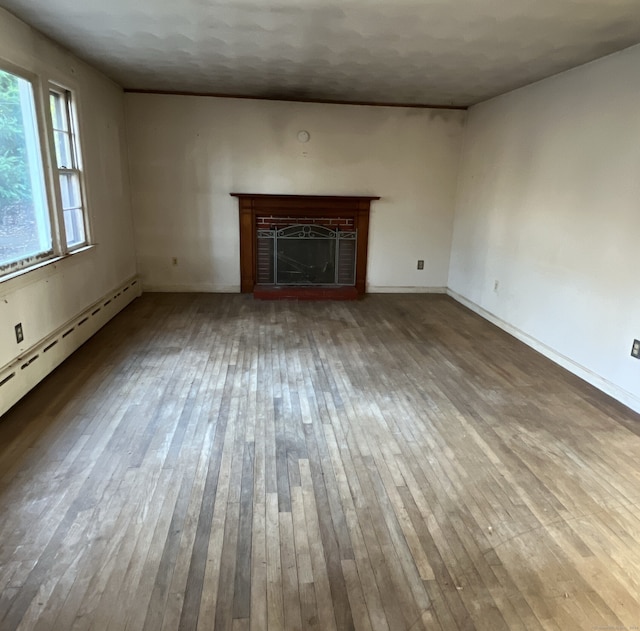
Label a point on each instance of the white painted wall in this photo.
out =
(549, 206)
(45, 299)
(188, 153)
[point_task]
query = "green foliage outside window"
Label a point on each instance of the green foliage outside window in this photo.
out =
(15, 187)
(24, 220)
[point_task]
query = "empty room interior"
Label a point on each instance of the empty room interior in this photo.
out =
(319, 315)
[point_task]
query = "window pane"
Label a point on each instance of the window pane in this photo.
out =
(58, 111)
(70, 189)
(74, 226)
(63, 150)
(69, 175)
(24, 219)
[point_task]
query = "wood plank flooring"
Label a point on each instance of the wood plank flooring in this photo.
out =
(397, 463)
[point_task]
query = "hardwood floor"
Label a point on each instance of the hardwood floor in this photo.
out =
(215, 462)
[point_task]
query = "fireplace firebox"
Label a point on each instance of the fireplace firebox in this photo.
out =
(303, 246)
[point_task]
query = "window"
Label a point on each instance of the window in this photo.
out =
(42, 211)
(25, 226)
(68, 163)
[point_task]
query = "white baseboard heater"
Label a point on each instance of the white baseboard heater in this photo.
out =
(32, 366)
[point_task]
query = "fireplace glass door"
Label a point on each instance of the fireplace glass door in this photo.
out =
(305, 255)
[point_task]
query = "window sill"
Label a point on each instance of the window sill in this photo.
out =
(39, 271)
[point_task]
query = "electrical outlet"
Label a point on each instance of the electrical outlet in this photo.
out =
(420, 264)
(19, 333)
(635, 349)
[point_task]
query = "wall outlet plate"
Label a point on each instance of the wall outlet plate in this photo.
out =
(420, 264)
(19, 333)
(635, 349)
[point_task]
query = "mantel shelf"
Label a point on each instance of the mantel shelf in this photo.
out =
(306, 197)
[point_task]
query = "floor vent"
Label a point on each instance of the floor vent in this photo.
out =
(29, 362)
(8, 378)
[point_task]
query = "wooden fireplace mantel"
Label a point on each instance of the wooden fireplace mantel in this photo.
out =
(252, 205)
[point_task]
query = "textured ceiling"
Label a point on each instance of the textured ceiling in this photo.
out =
(447, 52)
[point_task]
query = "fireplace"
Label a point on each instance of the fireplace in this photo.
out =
(295, 246)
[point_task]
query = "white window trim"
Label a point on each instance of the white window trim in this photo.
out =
(75, 142)
(40, 270)
(41, 88)
(23, 266)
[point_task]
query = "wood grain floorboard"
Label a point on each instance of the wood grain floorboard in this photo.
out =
(392, 464)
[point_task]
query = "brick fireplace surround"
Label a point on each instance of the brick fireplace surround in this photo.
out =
(265, 212)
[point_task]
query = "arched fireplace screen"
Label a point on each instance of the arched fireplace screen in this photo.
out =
(307, 255)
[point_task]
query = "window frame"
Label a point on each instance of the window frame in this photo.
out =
(70, 99)
(41, 87)
(23, 265)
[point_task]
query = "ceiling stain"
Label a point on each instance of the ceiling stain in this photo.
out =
(436, 52)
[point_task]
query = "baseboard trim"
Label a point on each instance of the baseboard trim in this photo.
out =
(383, 289)
(234, 289)
(32, 366)
(619, 394)
(198, 288)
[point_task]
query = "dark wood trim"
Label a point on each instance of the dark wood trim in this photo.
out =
(250, 205)
(422, 106)
(362, 225)
(349, 199)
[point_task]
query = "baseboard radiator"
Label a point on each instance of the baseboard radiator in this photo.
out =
(32, 366)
